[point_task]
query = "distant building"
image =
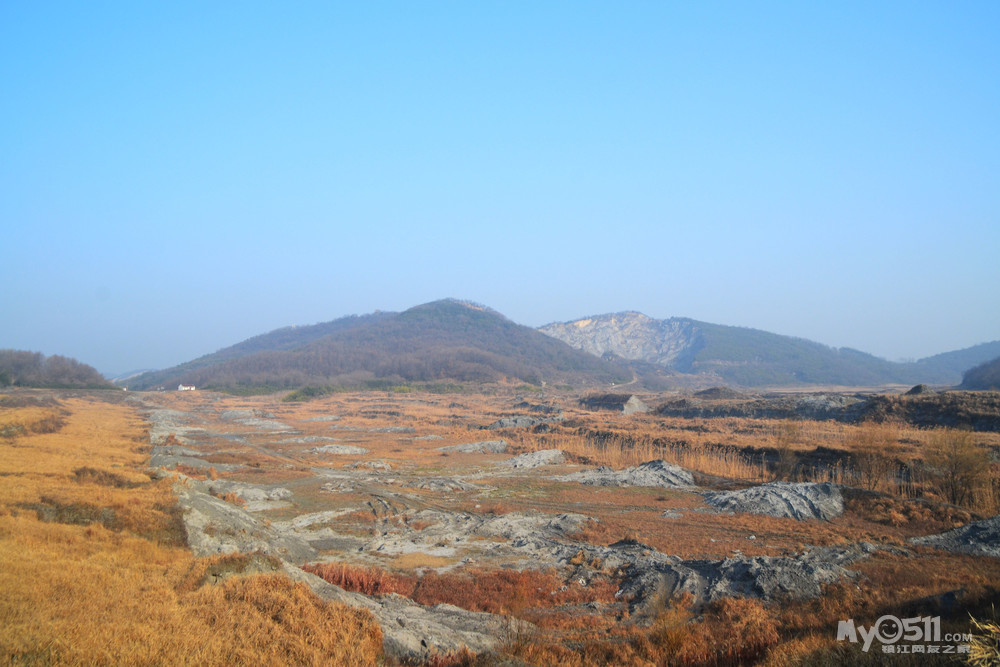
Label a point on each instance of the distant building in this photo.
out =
(185, 387)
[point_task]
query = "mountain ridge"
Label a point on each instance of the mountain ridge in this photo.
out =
(453, 339)
(450, 339)
(753, 357)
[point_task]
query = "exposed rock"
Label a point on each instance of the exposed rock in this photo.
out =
(514, 422)
(920, 389)
(782, 499)
(174, 450)
(540, 408)
(393, 429)
(339, 449)
(256, 419)
(256, 498)
(484, 447)
(526, 535)
(215, 526)
(429, 437)
(165, 423)
(446, 485)
(766, 577)
(634, 405)
(324, 418)
(631, 335)
(307, 439)
(651, 473)
(627, 404)
(372, 465)
(535, 459)
(413, 632)
(783, 406)
(165, 457)
(979, 538)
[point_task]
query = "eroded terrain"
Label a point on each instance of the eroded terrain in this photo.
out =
(447, 491)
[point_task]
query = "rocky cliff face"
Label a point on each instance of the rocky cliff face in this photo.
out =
(634, 336)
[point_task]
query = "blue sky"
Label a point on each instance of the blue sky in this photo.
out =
(176, 178)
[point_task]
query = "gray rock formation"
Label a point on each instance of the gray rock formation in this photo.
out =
(257, 420)
(535, 459)
(630, 335)
(651, 473)
(339, 449)
(979, 538)
(445, 485)
(413, 632)
(393, 429)
(766, 577)
(215, 526)
(782, 499)
(514, 422)
(484, 447)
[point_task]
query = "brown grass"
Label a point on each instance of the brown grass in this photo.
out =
(729, 453)
(367, 580)
(90, 572)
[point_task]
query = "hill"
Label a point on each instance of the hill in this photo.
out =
(20, 368)
(751, 357)
(442, 340)
(954, 364)
(984, 377)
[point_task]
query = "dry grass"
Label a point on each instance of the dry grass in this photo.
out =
(522, 593)
(367, 580)
(726, 452)
(91, 572)
(985, 646)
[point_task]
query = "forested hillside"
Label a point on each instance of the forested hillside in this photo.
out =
(984, 377)
(443, 340)
(20, 368)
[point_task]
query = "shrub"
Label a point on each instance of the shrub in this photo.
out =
(960, 469)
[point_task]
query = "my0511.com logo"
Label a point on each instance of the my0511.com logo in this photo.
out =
(920, 634)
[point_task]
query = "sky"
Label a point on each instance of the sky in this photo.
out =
(177, 177)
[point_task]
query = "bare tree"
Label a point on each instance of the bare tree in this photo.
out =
(960, 468)
(874, 452)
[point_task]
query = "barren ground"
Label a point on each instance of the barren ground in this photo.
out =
(506, 547)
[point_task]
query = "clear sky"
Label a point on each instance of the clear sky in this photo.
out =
(176, 177)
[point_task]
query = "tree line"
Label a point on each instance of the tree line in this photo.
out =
(20, 368)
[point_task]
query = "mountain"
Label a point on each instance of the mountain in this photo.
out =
(984, 377)
(442, 340)
(750, 357)
(33, 369)
(954, 364)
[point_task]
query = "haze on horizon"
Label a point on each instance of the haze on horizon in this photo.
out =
(176, 179)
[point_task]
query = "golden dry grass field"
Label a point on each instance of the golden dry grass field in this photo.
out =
(94, 568)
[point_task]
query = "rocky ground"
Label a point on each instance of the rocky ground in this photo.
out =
(360, 487)
(921, 406)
